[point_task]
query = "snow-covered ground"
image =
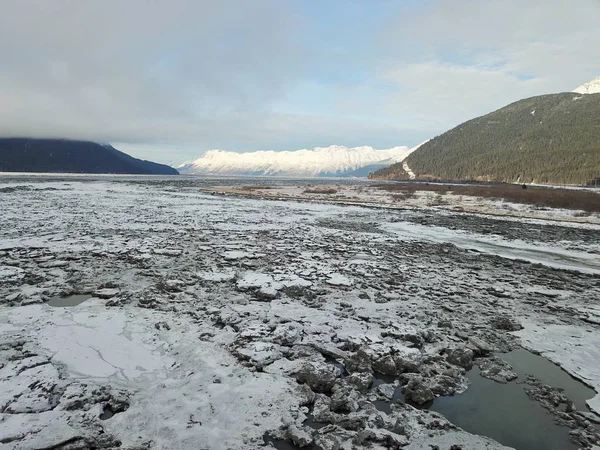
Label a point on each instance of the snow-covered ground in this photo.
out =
(372, 195)
(216, 320)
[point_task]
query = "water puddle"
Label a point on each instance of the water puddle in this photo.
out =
(547, 372)
(504, 413)
(107, 412)
(70, 300)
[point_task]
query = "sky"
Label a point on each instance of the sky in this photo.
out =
(167, 80)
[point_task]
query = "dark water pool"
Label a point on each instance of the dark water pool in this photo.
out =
(505, 413)
(70, 300)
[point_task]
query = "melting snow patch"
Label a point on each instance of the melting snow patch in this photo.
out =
(9, 272)
(234, 255)
(337, 279)
(216, 276)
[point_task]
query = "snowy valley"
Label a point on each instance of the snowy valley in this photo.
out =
(207, 321)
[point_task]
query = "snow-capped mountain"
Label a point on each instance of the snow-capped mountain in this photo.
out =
(591, 87)
(335, 160)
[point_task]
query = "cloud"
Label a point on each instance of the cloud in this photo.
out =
(171, 79)
(453, 60)
(141, 70)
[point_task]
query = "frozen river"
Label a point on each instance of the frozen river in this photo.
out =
(213, 321)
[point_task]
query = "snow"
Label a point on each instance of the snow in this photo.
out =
(337, 279)
(591, 87)
(556, 342)
(410, 173)
(175, 374)
(335, 159)
(551, 256)
(93, 342)
(205, 360)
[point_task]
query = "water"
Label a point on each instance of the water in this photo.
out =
(107, 412)
(547, 372)
(70, 300)
(505, 413)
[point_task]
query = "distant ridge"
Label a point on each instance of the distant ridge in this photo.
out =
(70, 156)
(335, 160)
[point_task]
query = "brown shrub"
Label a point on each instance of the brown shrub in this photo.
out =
(327, 191)
(404, 195)
(539, 196)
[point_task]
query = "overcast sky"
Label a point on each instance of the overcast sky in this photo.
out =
(170, 79)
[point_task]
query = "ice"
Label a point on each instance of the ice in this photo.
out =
(557, 343)
(212, 304)
(94, 343)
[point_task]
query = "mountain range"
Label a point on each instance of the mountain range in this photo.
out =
(551, 139)
(335, 160)
(68, 156)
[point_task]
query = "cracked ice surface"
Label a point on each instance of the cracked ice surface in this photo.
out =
(211, 306)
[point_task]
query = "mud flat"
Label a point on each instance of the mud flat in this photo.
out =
(218, 321)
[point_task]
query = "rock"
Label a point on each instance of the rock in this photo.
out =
(266, 294)
(329, 350)
(320, 377)
(54, 264)
(286, 334)
(386, 390)
(259, 354)
(344, 398)
(362, 380)
(384, 437)
(462, 357)
(298, 436)
(305, 394)
(326, 442)
(505, 322)
(13, 297)
(497, 370)
(417, 392)
(385, 365)
(322, 410)
(446, 385)
(479, 346)
(106, 293)
(162, 325)
(167, 251)
(359, 362)
(408, 361)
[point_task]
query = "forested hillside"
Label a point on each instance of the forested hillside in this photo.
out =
(62, 155)
(546, 139)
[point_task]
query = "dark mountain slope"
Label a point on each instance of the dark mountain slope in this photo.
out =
(60, 155)
(546, 139)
